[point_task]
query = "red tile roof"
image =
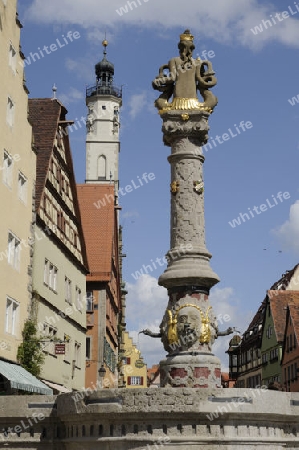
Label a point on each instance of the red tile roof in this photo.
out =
(279, 300)
(98, 222)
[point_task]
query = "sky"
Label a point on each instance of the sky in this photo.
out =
(254, 48)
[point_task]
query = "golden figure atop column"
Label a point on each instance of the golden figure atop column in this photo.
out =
(182, 77)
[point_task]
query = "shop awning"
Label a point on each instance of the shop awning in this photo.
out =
(20, 379)
(57, 387)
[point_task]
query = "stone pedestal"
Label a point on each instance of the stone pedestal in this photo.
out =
(198, 369)
(189, 325)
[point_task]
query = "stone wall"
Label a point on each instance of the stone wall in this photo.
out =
(29, 422)
(153, 419)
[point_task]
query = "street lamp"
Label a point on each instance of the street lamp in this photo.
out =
(102, 373)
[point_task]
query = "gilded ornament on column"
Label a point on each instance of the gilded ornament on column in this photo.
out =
(205, 335)
(172, 328)
(184, 324)
(175, 187)
(198, 186)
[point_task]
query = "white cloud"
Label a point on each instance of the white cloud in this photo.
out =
(146, 300)
(227, 309)
(223, 21)
(139, 102)
(72, 96)
(288, 232)
(136, 103)
(146, 304)
(81, 67)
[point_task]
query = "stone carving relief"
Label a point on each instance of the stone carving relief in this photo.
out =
(187, 207)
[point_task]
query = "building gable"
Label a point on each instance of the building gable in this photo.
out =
(56, 196)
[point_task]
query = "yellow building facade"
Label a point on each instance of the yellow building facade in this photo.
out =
(133, 368)
(17, 179)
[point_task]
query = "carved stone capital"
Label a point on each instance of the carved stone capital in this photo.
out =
(177, 125)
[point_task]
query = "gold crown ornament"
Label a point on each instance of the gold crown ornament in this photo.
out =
(186, 36)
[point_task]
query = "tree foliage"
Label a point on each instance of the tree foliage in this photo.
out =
(30, 354)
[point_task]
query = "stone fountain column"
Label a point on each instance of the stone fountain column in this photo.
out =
(189, 325)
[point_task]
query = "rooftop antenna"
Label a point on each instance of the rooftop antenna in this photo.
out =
(54, 89)
(105, 44)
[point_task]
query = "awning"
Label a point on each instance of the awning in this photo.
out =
(20, 379)
(57, 387)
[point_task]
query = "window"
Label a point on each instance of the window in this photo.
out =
(126, 360)
(68, 290)
(264, 358)
(78, 299)
(67, 355)
(50, 275)
(248, 355)
(234, 361)
(10, 112)
(135, 381)
(77, 358)
(102, 169)
(50, 333)
(46, 272)
(11, 316)
(22, 187)
(88, 347)
(104, 107)
(12, 59)
(89, 301)
(273, 354)
(269, 332)
(14, 251)
(7, 169)
(291, 342)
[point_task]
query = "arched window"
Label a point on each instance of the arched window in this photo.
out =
(102, 168)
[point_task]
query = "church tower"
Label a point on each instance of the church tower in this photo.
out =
(103, 122)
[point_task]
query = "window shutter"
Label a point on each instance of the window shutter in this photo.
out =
(141, 381)
(129, 381)
(128, 360)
